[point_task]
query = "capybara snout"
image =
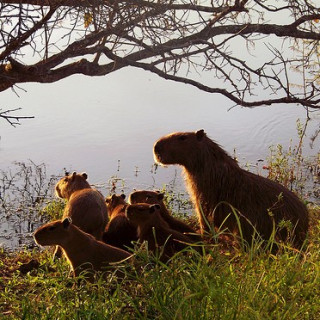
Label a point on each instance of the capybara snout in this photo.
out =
(176, 147)
(52, 233)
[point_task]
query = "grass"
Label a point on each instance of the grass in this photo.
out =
(221, 284)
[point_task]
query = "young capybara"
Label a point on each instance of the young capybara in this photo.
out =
(85, 205)
(215, 181)
(153, 229)
(83, 251)
(119, 231)
(156, 197)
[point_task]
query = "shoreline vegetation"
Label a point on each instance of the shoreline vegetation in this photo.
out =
(227, 282)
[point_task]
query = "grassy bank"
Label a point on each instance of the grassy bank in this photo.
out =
(219, 285)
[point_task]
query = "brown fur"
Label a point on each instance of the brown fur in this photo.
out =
(156, 197)
(119, 231)
(83, 251)
(85, 205)
(153, 229)
(215, 181)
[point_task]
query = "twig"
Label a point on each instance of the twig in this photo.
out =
(13, 120)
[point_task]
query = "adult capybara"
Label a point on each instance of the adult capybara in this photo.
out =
(215, 181)
(156, 197)
(83, 251)
(119, 231)
(85, 205)
(153, 229)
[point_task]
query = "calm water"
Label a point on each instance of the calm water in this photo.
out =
(90, 125)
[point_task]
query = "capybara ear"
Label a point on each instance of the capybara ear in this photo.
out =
(123, 196)
(84, 175)
(200, 134)
(160, 196)
(66, 222)
(73, 175)
(66, 173)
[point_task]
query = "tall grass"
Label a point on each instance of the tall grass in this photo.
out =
(242, 285)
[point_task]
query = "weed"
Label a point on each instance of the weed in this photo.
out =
(294, 171)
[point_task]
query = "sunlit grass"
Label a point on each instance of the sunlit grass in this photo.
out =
(240, 284)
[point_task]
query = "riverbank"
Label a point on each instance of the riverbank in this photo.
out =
(222, 284)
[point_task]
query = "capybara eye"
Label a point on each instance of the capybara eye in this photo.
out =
(182, 138)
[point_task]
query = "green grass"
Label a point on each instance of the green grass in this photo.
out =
(221, 284)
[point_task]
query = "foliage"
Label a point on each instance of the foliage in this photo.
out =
(26, 200)
(236, 48)
(26, 185)
(290, 168)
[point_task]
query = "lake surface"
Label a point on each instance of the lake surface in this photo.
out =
(107, 126)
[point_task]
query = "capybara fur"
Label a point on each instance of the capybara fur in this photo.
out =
(156, 197)
(215, 181)
(152, 228)
(83, 251)
(85, 205)
(119, 231)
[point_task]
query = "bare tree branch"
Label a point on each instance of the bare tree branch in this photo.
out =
(13, 120)
(45, 41)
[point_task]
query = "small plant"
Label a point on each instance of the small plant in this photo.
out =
(25, 186)
(25, 191)
(290, 168)
(113, 185)
(177, 201)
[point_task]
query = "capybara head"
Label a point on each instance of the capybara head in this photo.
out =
(113, 201)
(145, 196)
(52, 233)
(177, 147)
(139, 214)
(71, 183)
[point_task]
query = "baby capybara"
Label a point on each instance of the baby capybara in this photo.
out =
(83, 251)
(215, 181)
(156, 197)
(85, 205)
(153, 229)
(119, 231)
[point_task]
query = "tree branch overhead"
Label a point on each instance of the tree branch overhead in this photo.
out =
(240, 49)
